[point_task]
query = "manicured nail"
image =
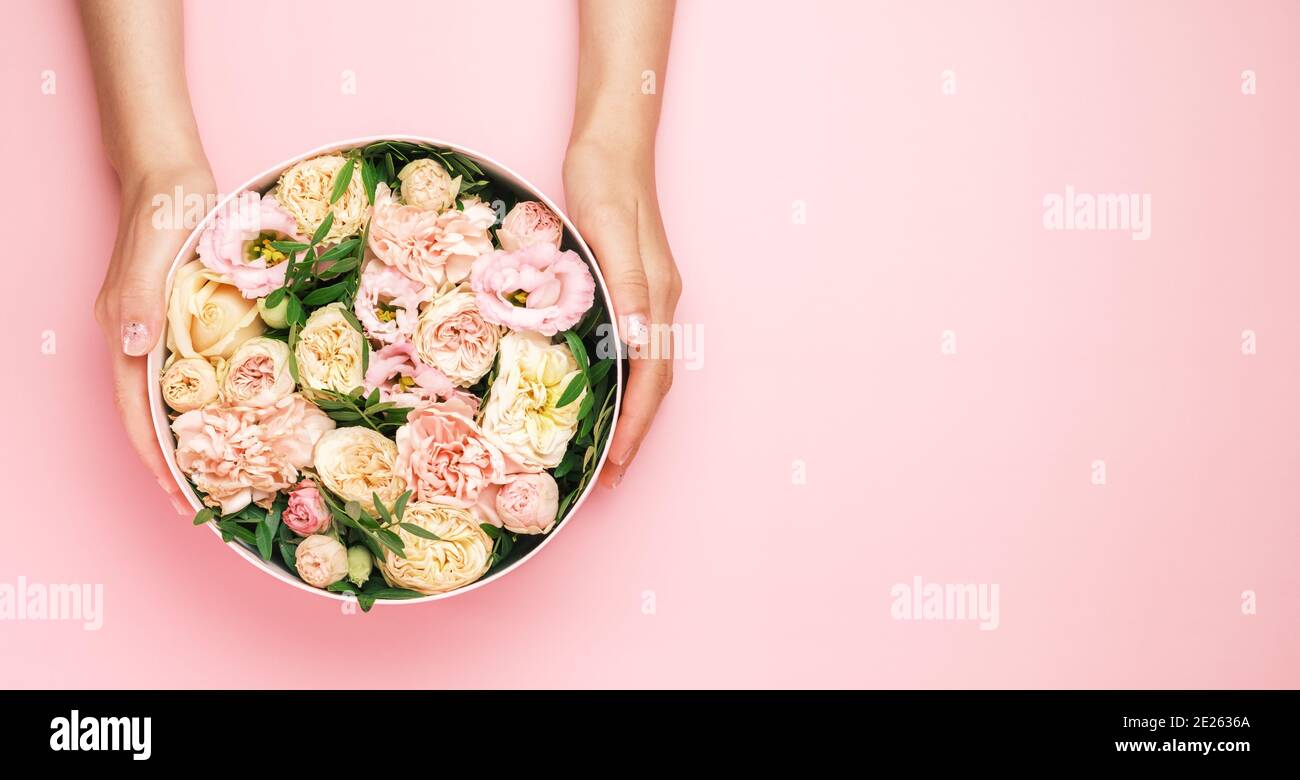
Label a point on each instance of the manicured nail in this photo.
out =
(617, 479)
(638, 332)
(135, 339)
(182, 506)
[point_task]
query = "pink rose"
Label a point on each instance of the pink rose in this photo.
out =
(240, 455)
(237, 245)
(525, 504)
(388, 302)
(529, 223)
(306, 513)
(404, 380)
(446, 458)
(432, 248)
(537, 288)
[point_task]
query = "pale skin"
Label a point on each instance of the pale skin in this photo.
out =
(152, 142)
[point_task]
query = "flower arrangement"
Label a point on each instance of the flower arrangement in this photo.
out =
(378, 371)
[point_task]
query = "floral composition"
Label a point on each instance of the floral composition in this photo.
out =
(379, 374)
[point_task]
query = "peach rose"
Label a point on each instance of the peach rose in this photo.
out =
(529, 223)
(321, 561)
(189, 383)
(304, 191)
(329, 351)
(435, 249)
(306, 513)
(461, 554)
(257, 374)
(427, 185)
(452, 336)
(445, 457)
(207, 317)
(355, 463)
(241, 455)
(527, 503)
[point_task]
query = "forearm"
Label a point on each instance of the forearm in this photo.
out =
(619, 42)
(137, 53)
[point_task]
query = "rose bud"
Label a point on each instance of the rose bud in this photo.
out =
(321, 560)
(277, 317)
(359, 565)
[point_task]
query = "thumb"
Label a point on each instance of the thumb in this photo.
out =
(614, 239)
(141, 296)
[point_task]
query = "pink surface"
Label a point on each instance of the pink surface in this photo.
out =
(822, 345)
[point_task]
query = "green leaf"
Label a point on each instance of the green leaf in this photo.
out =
(584, 408)
(391, 540)
(288, 247)
(372, 399)
(394, 593)
(343, 249)
(365, 601)
(352, 320)
(275, 297)
(490, 530)
(265, 538)
(370, 178)
(420, 532)
(383, 510)
(237, 531)
(342, 179)
(338, 268)
(400, 508)
(293, 357)
(599, 370)
(204, 515)
(323, 228)
(325, 295)
(575, 388)
(578, 350)
(352, 509)
(295, 314)
(289, 552)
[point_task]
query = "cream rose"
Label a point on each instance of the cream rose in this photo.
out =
(304, 191)
(321, 560)
(257, 374)
(206, 317)
(189, 384)
(427, 185)
(355, 463)
(461, 554)
(452, 336)
(329, 351)
(520, 414)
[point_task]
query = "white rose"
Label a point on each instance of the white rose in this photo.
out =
(329, 351)
(321, 560)
(304, 191)
(427, 185)
(461, 554)
(520, 414)
(189, 384)
(257, 374)
(207, 317)
(355, 463)
(452, 336)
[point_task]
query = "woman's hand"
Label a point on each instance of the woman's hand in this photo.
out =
(610, 193)
(130, 307)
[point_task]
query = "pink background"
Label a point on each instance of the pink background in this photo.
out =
(822, 344)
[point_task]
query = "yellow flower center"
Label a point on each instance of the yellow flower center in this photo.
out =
(260, 247)
(518, 298)
(405, 382)
(385, 312)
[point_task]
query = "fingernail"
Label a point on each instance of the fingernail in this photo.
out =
(181, 506)
(617, 479)
(135, 338)
(638, 332)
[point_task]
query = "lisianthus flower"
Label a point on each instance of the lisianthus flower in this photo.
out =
(237, 245)
(529, 223)
(537, 288)
(238, 455)
(402, 379)
(388, 302)
(433, 248)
